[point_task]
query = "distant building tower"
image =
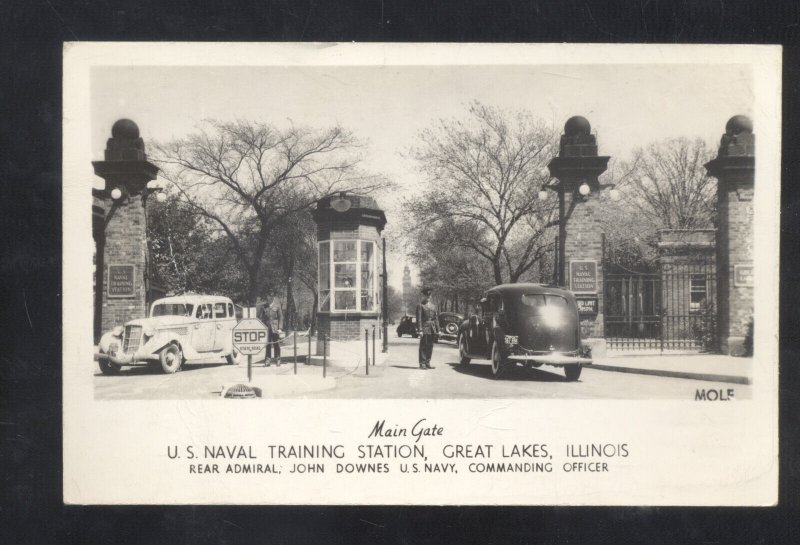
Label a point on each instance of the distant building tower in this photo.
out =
(407, 289)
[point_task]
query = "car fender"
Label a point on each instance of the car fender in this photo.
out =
(107, 339)
(499, 337)
(161, 340)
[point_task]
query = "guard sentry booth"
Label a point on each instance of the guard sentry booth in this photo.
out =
(349, 242)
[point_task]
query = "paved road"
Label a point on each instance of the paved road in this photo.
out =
(400, 377)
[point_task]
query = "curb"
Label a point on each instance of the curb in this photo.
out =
(673, 374)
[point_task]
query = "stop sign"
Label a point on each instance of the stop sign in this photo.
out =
(249, 336)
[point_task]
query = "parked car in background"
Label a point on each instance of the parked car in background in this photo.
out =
(407, 326)
(528, 324)
(448, 326)
(180, 328)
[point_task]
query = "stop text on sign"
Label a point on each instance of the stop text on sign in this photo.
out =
(249, 336)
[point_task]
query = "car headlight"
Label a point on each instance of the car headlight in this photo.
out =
(149, 332)
(512, 339)
(117, 331)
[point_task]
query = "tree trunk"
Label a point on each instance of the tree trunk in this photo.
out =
(498, 272)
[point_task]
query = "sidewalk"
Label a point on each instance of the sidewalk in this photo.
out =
(710, 367)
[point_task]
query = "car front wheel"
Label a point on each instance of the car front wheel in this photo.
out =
(108, 368)
(572, 372)
(499, 363)
(171, 359)
(462, 350)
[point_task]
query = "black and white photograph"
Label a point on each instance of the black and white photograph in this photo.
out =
(520, 270)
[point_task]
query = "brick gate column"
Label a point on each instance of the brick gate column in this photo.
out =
(580, 239)
(126, 172)
(734, 169)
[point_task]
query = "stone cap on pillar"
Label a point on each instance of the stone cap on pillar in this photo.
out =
(577, 160)
(349, 207)
(125, 161)
(737, 149)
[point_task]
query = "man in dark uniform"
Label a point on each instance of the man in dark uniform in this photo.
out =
(427, 327)
(272, 317)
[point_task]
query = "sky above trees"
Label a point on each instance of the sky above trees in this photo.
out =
(629, 106)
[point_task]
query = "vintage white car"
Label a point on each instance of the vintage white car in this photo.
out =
(180, 328)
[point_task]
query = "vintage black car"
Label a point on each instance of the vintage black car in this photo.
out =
(448, 326)
(531, 324)
(407, 326)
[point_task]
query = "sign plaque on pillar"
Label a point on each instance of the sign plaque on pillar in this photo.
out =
(121, 280)
(743, 275)
(583, 276)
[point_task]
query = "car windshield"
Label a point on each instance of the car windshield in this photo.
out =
(172, 309)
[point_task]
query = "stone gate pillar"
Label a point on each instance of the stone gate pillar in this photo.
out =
(734, 169)
(580, 241)
(349, 244)
(126, 172)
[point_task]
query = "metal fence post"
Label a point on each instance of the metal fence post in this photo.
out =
(366, 349)
(295, 352)
(308, 356)
(324, 354)
(373, 345)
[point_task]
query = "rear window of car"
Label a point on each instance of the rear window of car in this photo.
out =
(219, 310)
(538, 300)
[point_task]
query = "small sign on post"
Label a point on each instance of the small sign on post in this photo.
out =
(250, 339)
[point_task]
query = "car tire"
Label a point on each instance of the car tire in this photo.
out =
(451, 328)
(108, 368)
(399, 334)
(462, 351)
(231, 359)
(573, 372)
(171, 359)
(499, 365)
(415, 335)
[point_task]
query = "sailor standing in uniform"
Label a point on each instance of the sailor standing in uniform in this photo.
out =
(272, 317)
(427, 327)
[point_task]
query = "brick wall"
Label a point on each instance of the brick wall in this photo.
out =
(734, 247)
(583, 239)
(126, 244)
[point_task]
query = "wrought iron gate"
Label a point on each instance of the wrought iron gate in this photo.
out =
(669, 307)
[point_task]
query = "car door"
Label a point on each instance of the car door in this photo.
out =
(487, 321)
(204, 330)
(224, 319)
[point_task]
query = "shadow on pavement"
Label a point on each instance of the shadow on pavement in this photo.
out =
(516, 373)
(406, 366)
(155, 369)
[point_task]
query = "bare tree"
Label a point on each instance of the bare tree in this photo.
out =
(485, 173)
(668, 184)
(247, 177)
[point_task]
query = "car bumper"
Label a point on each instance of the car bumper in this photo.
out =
(557, 360)
(124, 359)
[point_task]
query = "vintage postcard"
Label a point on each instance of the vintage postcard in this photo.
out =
(458, 274)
